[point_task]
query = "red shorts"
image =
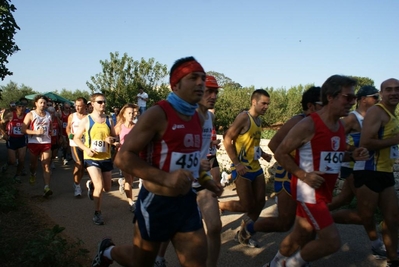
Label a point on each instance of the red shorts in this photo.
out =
(37, 149)
(317, 214)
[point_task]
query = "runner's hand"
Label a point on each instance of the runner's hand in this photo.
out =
(266, 156)
(360, 154)
(214, 187)
(241, 169)
(180, 180)
(90, 152)
(205, 165)
(313, 179)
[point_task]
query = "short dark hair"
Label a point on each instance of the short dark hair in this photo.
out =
(333, 86)
(37, 97)
(81, 99)
(312, 95)
(257, 93)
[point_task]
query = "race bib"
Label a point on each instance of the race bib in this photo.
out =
(212, 150)
(16, 130)
(44, 128)
(99, 146)
(54, 132)
(64, 125)
(186, 161)
(257, 153)
(330, 162)
(394, 153)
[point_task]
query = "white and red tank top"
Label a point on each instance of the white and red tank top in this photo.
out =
(14, 126)
(324, 153)
(180, 145)
(37, 123)
(74, 127)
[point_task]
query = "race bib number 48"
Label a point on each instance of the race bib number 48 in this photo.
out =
(330, 161)
(186, 161)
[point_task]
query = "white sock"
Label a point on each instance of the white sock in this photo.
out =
(107, 252)
(278, 260)
(295, 260)
(46, 186)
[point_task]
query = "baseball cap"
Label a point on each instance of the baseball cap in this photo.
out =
(211, 82)
(366, 91)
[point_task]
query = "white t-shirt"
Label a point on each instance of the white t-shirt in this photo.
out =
(141, 102)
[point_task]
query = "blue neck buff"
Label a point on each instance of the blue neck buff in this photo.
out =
(180, 105)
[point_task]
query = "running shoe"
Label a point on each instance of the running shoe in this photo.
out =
(47, 192)
(243, 235)
(380, 253)
(78, 190)
(32, 179)
(98, 218)
(99, 260)
(252, 243)
(121, 182)
(90, 188)
(65, 162)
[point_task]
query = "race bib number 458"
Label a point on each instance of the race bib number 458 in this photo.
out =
(186, 161)
(330, 161)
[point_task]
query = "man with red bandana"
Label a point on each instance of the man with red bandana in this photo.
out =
(166, 155)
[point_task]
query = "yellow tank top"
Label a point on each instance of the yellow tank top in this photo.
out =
(248, 146)
(95, 139)
(385, 158)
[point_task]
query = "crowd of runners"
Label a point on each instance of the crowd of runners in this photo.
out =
(172, 148)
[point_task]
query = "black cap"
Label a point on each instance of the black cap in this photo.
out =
(366, 91)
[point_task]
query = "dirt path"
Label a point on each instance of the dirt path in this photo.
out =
(75, 214)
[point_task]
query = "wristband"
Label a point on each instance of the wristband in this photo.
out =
(70, 136)
(204, 177)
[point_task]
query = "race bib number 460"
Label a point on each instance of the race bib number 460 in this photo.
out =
(186, 161)
(330, 161)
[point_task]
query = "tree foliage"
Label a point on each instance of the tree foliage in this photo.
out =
(13, 92)
(73, 95)
(362, 81)
(8, 28)
(121, 79)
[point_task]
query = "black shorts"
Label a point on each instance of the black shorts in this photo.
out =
(374, 180)
(345, 172)
(214, 161)
(15, 143)
(159, 218)
(103, 165)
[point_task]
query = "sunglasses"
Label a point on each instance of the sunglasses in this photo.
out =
(100, 102)
(349, 97)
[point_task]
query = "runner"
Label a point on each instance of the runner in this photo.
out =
(37, 125)
(168, 138)
(319, 142)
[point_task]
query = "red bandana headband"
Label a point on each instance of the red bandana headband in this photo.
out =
(183, 70)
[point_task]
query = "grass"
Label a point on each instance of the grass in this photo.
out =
(28, 237)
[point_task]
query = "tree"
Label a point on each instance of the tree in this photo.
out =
(121, 79)
(13, 92)
(362, 81)
(223, 80)
(74, 95)
(8, 28)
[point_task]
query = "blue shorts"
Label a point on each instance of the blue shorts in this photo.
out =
(103, 165)
(249, 175)
(282, 180)
(15, 143)
(160, 217)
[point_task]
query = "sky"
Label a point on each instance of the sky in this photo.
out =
(255, 43)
